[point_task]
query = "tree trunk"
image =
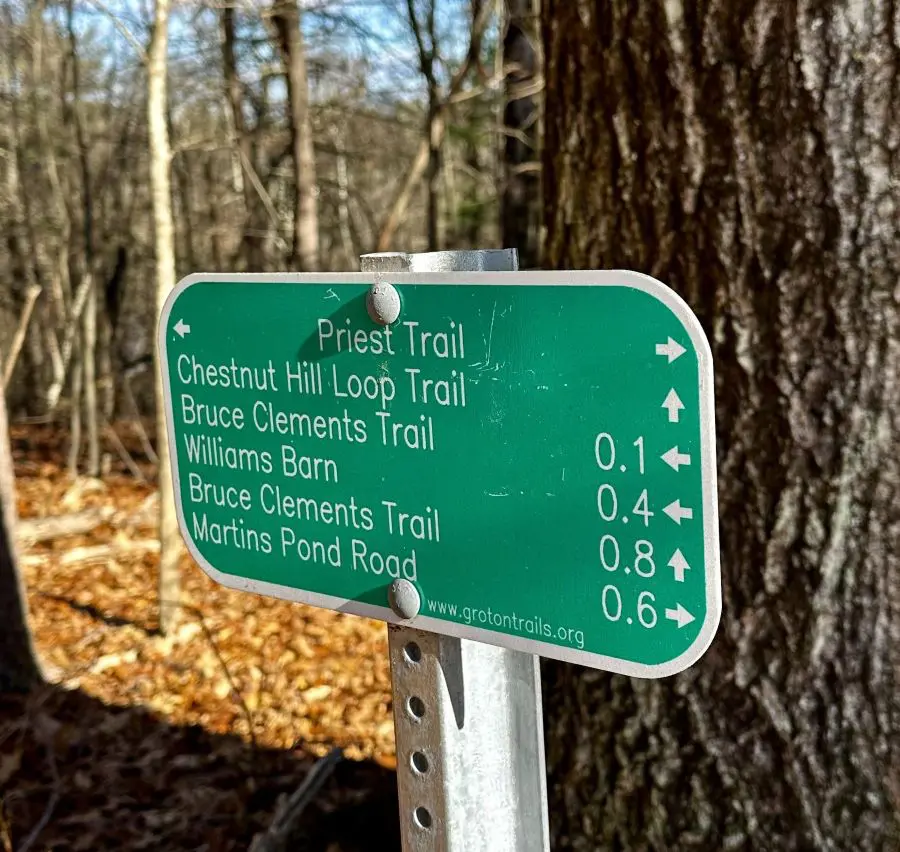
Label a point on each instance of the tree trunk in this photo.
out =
(746, 155)
(342, 180)
(433, 173)
(88, 342)
(76, 407)
(252, 249)
(181, 166)
(210, 184)
(160, 168)
(521, 184)
(19, 668)
(305, 252)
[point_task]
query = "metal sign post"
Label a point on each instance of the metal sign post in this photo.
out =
(467, 716)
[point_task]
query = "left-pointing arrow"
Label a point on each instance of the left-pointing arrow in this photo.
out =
(679, 615)
(678, 513)
(182, 328)
(674, 459)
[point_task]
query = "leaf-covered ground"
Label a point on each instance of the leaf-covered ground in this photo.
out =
(217, 719)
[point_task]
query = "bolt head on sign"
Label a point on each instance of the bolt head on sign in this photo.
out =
(523, 459)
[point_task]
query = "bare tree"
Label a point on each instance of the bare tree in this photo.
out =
(286, 22)
(521, 184)
(245, 139)
(78, 229)
(748, 161)
(86, 337)
(19, 668)
(164, 241)
(425, 33)
(427, 158)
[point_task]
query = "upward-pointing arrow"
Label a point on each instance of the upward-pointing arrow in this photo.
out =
(672, 349)
(182, 328)
(679, 565)
(673, 404)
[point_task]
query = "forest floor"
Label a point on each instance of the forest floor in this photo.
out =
(184, 741)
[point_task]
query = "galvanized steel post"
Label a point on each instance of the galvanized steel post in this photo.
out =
(470, 737)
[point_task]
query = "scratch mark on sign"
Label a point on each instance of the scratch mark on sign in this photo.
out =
(330, 294)
(564, 475)
(490, 340)
(484, 366)
(497, 493)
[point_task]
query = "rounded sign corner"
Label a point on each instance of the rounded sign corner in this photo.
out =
(193, 550)
(682, 311)
(697, 648)
(171, 298)
(186, 282)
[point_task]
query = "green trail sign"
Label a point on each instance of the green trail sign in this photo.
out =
(534, 452)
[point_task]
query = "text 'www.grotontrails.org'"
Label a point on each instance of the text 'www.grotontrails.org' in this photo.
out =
(535, 626)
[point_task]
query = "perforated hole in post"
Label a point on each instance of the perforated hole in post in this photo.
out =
(416, 707)
(422, 817)
(419, 762)
(412, 652)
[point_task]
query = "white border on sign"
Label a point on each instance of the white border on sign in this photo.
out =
(599, 278)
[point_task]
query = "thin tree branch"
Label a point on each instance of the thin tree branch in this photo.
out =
(31, 297)
(123, 30)
(264, 196)
(53, 801)
(289, 810)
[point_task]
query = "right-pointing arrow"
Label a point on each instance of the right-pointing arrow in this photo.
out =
(678, 513)
(672, 349)
(674, 459)
(679, 564)
(679, 615)
(673, 404)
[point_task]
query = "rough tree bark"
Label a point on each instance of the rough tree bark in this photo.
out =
(19, 669)
(519, 210)
(305, 251)
(160, 182)
(746, 154)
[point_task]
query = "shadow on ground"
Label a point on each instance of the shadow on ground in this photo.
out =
(76, 774)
